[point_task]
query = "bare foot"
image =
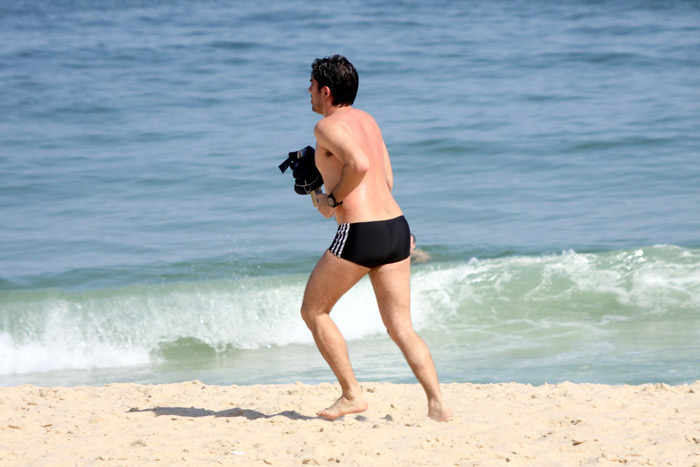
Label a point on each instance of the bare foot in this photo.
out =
(439, 411)
(342, 407)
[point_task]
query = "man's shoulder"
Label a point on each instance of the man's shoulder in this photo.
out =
(350, 118)
(324, 126)
(332, 124)
(359, 114)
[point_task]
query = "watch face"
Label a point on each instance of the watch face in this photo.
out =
(331, 201)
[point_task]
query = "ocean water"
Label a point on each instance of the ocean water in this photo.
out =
(546, 155)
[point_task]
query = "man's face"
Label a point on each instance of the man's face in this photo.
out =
(315, 96)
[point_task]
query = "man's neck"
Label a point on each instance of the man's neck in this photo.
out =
(334, 109)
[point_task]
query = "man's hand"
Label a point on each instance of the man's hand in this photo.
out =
(323, 208)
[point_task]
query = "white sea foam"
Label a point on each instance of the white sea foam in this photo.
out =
(110, 328)
(40, 356)
(529, 305)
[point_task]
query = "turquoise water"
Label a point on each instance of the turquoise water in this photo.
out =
(546, 155)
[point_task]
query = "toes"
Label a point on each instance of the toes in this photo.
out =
(326, 414)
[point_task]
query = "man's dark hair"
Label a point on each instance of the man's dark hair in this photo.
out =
(339, 75)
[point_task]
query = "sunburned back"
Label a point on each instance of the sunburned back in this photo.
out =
(371, 199)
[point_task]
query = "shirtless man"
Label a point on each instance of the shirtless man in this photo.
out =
(372, 237)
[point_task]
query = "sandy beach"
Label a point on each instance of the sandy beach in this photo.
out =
(496, 424)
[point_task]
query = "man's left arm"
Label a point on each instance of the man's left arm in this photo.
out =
(388, 172)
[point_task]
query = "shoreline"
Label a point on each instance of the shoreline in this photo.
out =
(191, 423)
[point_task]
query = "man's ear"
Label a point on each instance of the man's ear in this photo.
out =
(325, 92)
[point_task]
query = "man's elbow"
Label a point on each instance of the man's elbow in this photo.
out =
(362, 169)
(361, 166)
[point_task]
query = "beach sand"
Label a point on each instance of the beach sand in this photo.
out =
(495, 424)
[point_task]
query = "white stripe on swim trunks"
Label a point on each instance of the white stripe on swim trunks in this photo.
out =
(340, 238)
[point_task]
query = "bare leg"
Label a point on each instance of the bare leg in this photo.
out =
(392, 287)
(329, 281)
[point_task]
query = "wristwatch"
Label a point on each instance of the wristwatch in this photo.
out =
(332, 202)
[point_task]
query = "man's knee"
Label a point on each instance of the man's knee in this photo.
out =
(311, 315)
(399, 333)
(306, 316)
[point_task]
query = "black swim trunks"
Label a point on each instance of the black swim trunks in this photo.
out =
(371, 244)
